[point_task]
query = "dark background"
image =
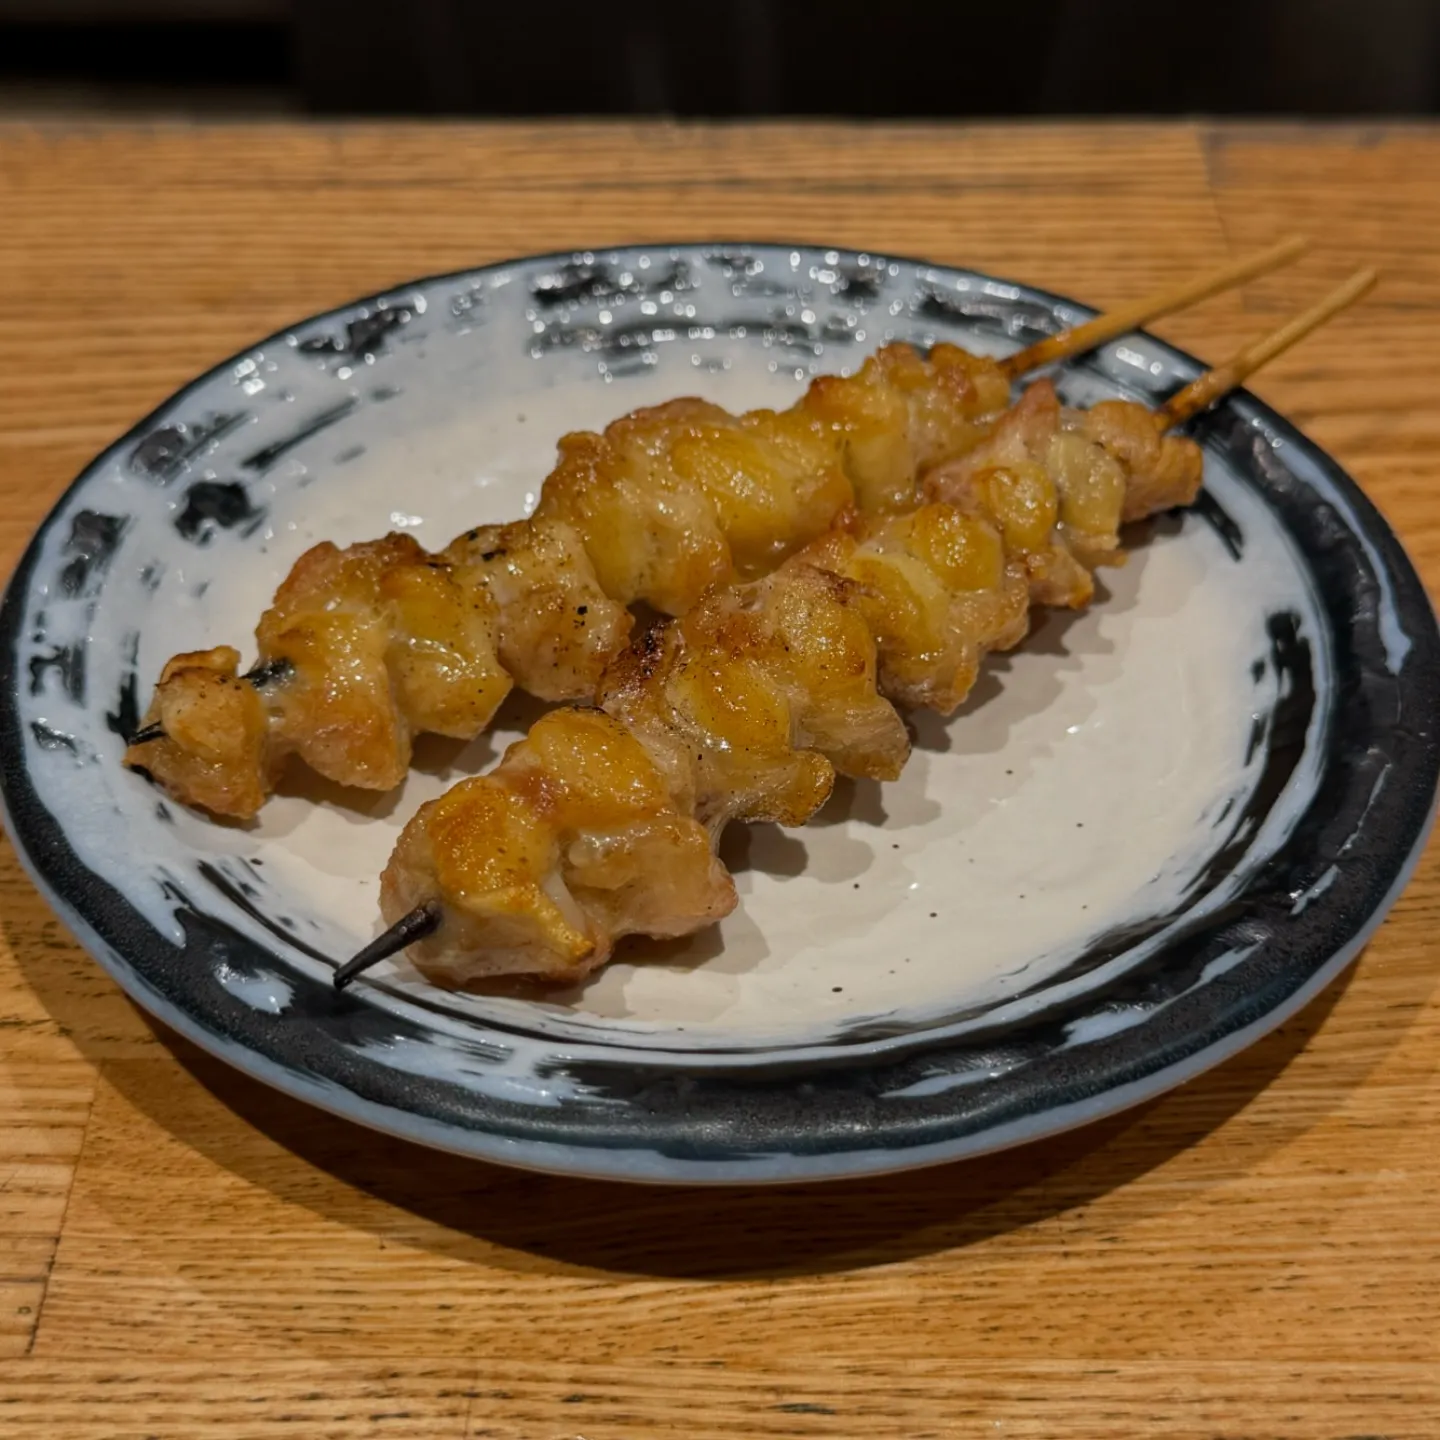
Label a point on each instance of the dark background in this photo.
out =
(725, 57)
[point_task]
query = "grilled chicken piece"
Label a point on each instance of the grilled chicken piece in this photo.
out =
(747, 707)
(214, 749)
(569, 843)
(1161, 470)
(363, 649)
(937, 590)
(380, 642)
(749, 703)
(557, 629)
(1090, 470)
(683, 496)
(903, 413)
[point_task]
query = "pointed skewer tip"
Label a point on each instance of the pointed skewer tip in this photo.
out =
(415, 925)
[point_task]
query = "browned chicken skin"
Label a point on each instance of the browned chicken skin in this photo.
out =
(748, 706)
(682, 496)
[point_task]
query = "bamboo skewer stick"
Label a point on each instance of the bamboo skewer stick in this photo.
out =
(1165, 302)
(1203, 392)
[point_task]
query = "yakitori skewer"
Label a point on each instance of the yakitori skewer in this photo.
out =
(604, 821)
(366, 647)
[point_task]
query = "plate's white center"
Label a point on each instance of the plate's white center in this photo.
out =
(1075, 792)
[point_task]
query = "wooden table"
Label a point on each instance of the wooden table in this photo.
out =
(188, 1255)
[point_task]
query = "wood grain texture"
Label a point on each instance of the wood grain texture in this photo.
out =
(183, 1254)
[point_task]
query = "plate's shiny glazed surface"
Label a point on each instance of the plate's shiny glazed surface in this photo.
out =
(1150, 835)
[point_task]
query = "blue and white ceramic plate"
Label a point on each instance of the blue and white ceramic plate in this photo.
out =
(1153, 833)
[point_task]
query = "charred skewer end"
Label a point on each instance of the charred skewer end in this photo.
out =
(416, 925)
(269, 672)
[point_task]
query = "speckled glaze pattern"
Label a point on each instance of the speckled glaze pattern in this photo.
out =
(878, 1003)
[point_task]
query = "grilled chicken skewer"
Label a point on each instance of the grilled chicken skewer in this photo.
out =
(366, 647)
(604, 821)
